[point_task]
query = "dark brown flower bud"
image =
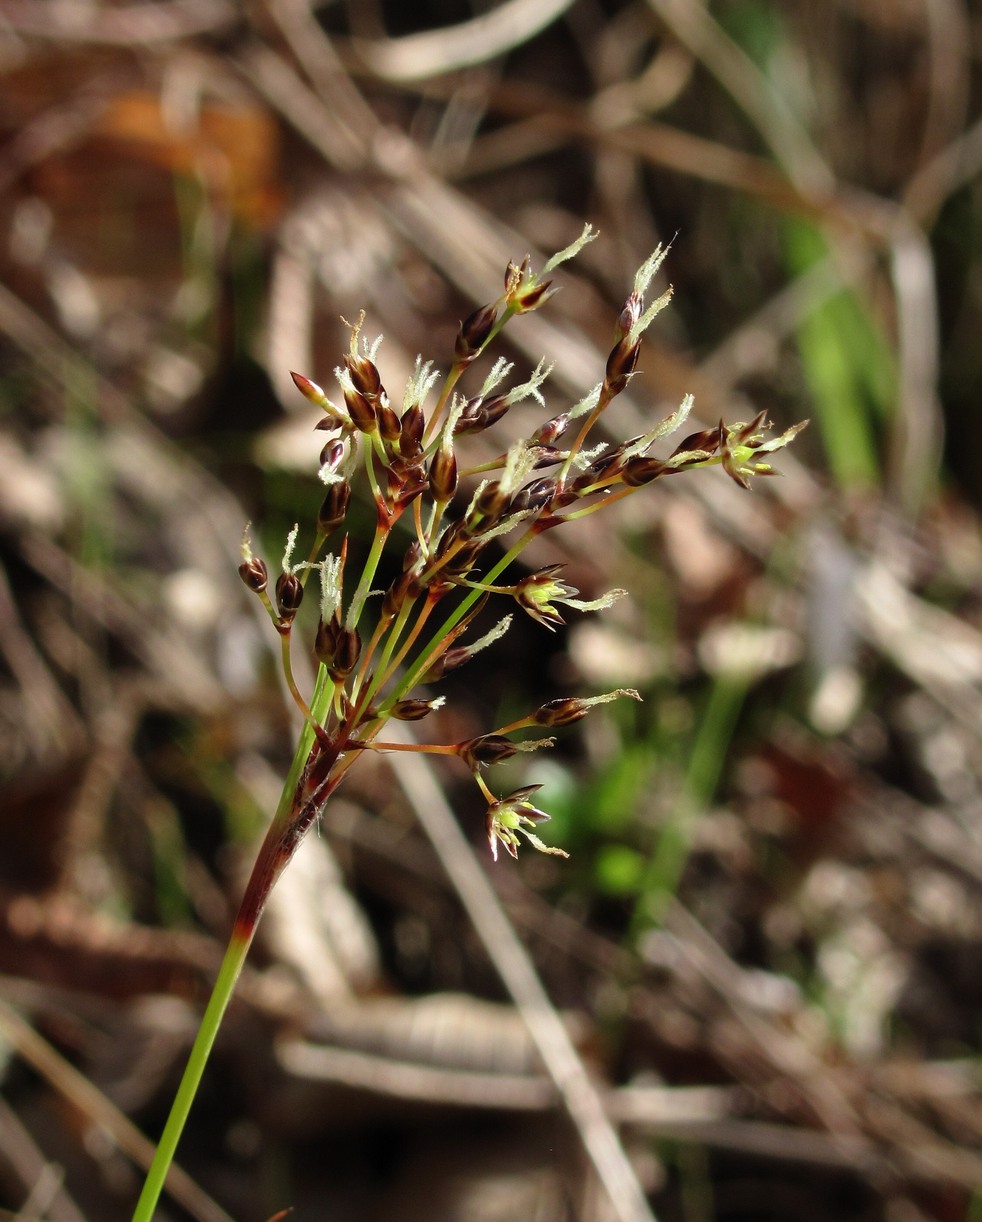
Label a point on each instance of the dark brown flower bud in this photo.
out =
(405, 486)
(534, 495)
(406, 586)
(360, 410)
(628, 316)
(411, 435)
(639, 471)
(491, 502)
(413, 709)
(326, 640)
(289, 594)
(493, 409)
(464, 560)
(364, 375)
(480, 414)
(337, 647)
(601, 472)
(346, 653)
(706, 439)
(334, 507)
(547, 456)
(469, 420)
(449, 539)
(552, 430)
(254, 573)
(562, 712)
(487, 749)
(473, 334)
(332, 454)
(309, 389)
(443, 475)
(389, 424)
(621, 364)
(453, 658)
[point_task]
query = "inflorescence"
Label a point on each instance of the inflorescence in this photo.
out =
(379, 658)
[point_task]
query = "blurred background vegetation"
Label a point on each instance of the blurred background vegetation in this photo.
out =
(768, 939)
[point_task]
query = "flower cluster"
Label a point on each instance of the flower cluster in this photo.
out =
(468, 527)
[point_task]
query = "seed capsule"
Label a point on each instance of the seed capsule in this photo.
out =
(326, 640)
(334, 507)
(364, 375)
(289, 594)
(406, 586)
(411, 432)
(254, 573)
(487, 749)
(443, 475)
(639, 471)
(705, 439)
(360, 410)
(552, 430)
(621, 364)
(534, 495)
(413, 709)
(561, 712)
(346, 655)
(389, 424)
(473, 334)
(309, 389)
(629, 315)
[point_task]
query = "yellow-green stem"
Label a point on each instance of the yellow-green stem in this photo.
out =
(232, 963)
(228, 974)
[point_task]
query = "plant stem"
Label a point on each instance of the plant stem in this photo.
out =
(228, 974)
(295, 813)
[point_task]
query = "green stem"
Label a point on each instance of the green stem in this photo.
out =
(285, 833)
(228, 974)
(367, 577)
(291, 682)
(602, 404)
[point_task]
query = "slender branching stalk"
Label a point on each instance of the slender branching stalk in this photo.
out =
(381, 652)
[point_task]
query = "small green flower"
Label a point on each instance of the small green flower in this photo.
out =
(537, 593)
(741, 444)
(514, 816)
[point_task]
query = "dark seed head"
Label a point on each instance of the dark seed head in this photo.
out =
(473, 334)
(389, 424)
(638, 471)
(364, 374)
(706, 439)
(346, 653)
(411, 434)
(621, 364)
(443, 475)
(334, 507)
(562, 712)
(552, 430)
(360, 410)
(412, 709)
(534, 495)
(487, 749)
(254, 573)
(289, 594)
